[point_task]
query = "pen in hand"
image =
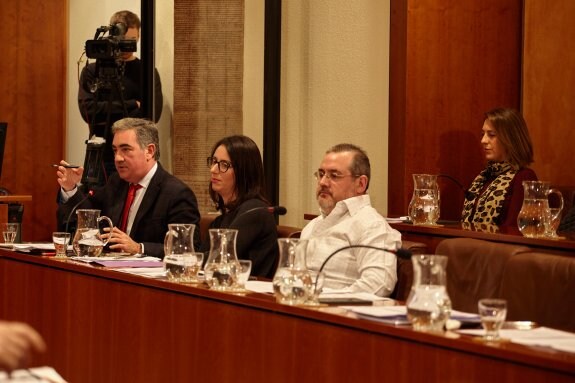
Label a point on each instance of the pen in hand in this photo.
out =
(66, 166)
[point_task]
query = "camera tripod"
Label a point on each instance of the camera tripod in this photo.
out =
(108, 79)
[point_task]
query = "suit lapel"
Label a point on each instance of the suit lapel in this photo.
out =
(152, 193)
(118, 204)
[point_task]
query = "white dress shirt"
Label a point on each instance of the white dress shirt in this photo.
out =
(354, 222)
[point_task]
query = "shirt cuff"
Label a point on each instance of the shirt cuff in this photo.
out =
(66, 195)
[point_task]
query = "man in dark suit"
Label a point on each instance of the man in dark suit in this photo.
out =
(158, 198)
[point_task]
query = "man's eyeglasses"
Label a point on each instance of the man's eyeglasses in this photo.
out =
(331, 175)
(223, 165)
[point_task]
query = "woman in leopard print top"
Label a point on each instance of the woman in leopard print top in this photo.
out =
(496, 195)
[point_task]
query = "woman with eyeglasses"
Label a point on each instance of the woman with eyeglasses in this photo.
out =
(237, 189)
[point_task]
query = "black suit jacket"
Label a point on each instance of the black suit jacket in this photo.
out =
(257, 235)
(167, 200)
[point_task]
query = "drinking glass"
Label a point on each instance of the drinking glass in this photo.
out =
(314, 285)
(61, 240)
(9, 232)
(493, 313)
(244, 273)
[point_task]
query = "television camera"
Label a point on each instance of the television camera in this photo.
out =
(110, 46)
(106, 48)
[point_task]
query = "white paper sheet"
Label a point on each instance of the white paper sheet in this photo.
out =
(33, 246)
(150, 272)
(260, 287)
(541, 336)
(36, 374)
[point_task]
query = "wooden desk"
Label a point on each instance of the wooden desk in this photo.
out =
(432, 235)
(105, 326)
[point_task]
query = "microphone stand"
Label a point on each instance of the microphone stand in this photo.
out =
(401, 253)
(90, 193)
(275, 210)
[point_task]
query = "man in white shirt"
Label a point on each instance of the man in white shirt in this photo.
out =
(347, 218)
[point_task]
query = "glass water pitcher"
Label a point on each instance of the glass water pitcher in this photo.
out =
(424, 206)
(222, 267)
(428, 304)
(292, 282)
(87, 241)
(536, 219)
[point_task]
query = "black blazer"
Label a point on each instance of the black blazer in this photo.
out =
(257, 235)
(167, 200)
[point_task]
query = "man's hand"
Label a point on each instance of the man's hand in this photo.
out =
(69, 178)
(121, 242)
(17, 342)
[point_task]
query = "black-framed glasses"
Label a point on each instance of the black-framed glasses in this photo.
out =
(223, 165)
(331, 175)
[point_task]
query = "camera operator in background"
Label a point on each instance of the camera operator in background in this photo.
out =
(112, 87)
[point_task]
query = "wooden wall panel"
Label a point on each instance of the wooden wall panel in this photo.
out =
(549, 87)
(450, 61)
(33, 102)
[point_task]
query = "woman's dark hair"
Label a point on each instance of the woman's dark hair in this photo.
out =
(248, 170)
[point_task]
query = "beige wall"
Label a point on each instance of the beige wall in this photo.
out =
(334, 88)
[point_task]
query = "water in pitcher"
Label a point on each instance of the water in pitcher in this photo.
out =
(533, 217)
(430, 309)
(424, 209)
(291, 285)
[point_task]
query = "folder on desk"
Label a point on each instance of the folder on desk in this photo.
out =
(113, 264)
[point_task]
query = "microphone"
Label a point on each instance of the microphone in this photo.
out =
(469, 195)
(452, 179)
(276, 210)
(279, 210)
(88, 195)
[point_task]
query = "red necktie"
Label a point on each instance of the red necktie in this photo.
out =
(129, 201)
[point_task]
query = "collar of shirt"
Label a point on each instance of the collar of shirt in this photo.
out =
(148, 177)
(351, 205)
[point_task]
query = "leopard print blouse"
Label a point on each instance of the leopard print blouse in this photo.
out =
(484, 205)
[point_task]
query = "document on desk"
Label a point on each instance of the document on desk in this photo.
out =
(36, 374)
(260, 287)
(150, 272)
(121, 262)
(327, 294)
(397, 315)
(540, 336)
(25, 247)
(397, 219)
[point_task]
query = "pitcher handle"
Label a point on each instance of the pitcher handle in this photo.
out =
(109, 223)
(551, 191)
